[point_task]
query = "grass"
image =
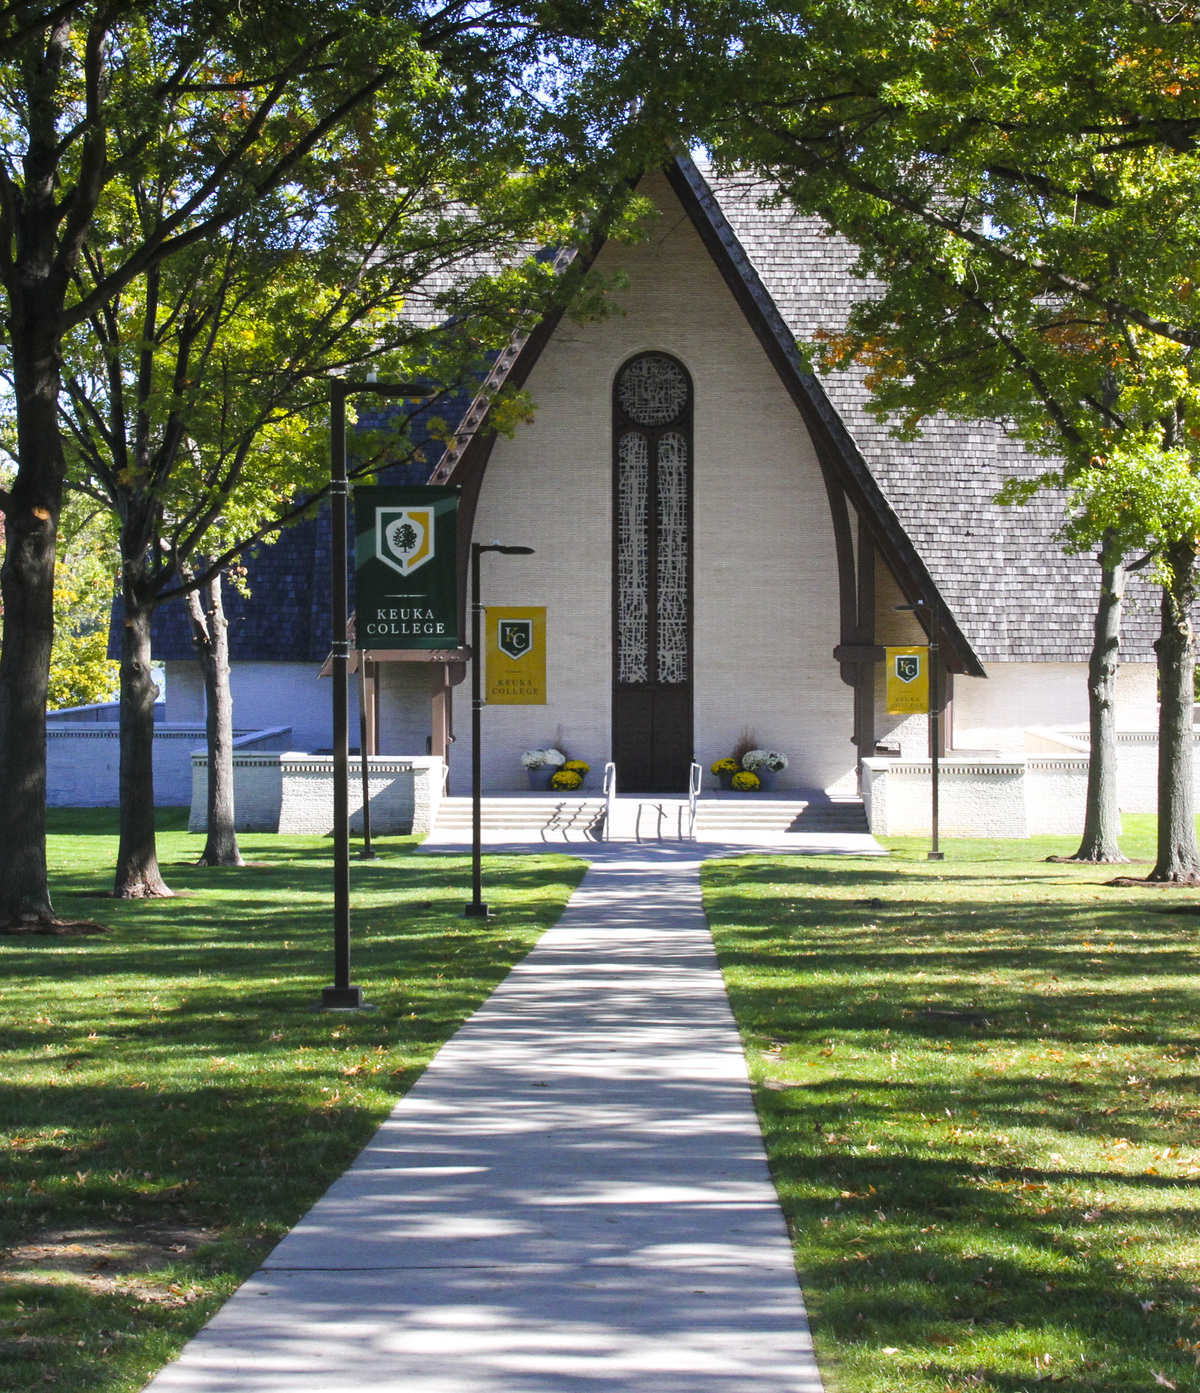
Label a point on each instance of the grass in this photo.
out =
(979, 1084)
(169, 1104)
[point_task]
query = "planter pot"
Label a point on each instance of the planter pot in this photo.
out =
(726, 781)
(539, 779)
(766, 779)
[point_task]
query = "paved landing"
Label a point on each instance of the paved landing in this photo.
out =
(574, 1196)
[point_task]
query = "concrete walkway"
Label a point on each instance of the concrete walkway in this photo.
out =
(574, 1196)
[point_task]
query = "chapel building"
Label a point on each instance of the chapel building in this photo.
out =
(721, 537)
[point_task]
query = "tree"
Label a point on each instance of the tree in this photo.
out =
(975, 341)
(1035, 171)
(210, 632)
(246, 103)
(196, 396)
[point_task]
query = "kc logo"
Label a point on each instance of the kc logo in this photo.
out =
(404, 538)
(908, 666)
(515, 638)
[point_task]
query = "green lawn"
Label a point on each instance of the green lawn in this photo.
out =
(980, 1088)
(169, 1104)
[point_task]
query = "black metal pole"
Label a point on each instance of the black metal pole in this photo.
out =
(935, 727)
(367, 853)
(341, 996)
(477, 909)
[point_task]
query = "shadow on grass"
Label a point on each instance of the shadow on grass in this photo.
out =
(989, 1161)
(172, 1071)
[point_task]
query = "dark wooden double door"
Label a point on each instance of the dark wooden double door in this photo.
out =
(652, 576)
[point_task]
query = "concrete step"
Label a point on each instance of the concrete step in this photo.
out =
(644, 817)
(525, 818)
(780, 816)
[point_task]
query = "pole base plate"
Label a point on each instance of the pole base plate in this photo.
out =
(935, 856)
(476, 909)
(342, 999)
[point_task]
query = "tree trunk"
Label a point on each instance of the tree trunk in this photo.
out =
(27, 586)
(138, 876)
(1178, 855)
(1102, 819)
(211, 635)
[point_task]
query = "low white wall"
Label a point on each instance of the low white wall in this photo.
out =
(83, 761)
(1030, 796)
(292, 792)
(1137, 770)
(977, 798)
(1137, 762)
(1055, 795)
(1040, 793)
(101, 711)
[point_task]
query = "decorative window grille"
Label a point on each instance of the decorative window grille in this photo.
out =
(653, 507)
(633, 591)
(672, 558)
(652, 390)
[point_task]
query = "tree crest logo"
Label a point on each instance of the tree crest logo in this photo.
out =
(404, 538)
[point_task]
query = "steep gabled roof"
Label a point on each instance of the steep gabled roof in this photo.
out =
(1016, 596)
(1009, 592)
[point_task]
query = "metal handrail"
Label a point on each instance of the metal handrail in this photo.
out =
(695, 777)
(610, 794)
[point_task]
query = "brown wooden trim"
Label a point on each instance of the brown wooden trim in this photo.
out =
(465, 465)
(844, 468)
(846, 474)
(843, 542)
(368, 690)
(439, 683)
(859, 653)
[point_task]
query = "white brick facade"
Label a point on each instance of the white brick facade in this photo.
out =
(766, 593)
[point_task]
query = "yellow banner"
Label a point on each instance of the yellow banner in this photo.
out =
(516, 656)
(907, 681)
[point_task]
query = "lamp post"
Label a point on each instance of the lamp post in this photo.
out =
(935, 720)
(341, 996)
(477, 909)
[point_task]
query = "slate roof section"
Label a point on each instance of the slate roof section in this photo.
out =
(1016, 596)
(1012, 592)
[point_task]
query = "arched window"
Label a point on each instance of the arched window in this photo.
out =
(652, 574)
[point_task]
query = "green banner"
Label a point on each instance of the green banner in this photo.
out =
(406, 567)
